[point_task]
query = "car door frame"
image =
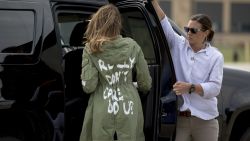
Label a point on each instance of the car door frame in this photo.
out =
(165, 75)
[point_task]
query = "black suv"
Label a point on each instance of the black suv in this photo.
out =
(41, 97)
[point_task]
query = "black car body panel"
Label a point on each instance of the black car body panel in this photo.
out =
(41, 43)
(234, 105)
(31, 75)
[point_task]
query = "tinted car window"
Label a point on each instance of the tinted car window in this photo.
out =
(135, 26)
(71, 26)
(21, 22)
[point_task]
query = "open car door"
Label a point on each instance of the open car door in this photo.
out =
(141, 23)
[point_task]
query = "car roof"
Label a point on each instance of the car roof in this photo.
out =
(66, 1)
(80, 0)
(89, 1)
(97, 1)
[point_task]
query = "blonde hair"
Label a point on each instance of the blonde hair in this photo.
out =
(104, 26)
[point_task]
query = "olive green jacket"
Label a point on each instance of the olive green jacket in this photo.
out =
(114, 104)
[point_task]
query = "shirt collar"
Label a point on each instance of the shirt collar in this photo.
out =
(205, 50)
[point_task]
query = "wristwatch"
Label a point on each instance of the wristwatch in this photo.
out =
(191, 89)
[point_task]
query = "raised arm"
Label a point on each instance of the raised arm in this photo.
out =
(159, 11)
(174, 40)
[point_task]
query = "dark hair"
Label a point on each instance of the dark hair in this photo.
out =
(206, 23)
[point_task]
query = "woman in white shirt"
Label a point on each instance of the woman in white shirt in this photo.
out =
(199, 72)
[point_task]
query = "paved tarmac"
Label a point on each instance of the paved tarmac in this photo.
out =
(241, 66)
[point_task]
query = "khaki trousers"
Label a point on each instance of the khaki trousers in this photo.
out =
(196, 129)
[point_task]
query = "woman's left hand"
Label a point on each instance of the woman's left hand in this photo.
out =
(181, 87)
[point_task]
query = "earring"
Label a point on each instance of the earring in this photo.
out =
(205, 40)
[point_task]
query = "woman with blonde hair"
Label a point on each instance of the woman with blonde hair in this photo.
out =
(114, 108)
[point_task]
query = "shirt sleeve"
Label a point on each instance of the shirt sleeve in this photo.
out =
(143, 77)
(213, 86)
(172, 37)
(89, 74)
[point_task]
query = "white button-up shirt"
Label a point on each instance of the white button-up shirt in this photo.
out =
(204, 67)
